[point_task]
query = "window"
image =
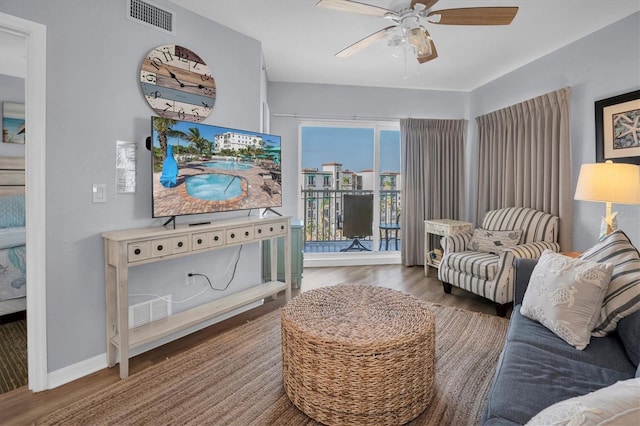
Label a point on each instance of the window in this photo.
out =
(352, 158)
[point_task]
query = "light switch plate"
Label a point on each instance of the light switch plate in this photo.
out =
(99, 192)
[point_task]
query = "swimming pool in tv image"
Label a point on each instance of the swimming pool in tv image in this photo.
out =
(218, 169)
(214, 186)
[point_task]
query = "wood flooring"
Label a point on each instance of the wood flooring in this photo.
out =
(23, 407)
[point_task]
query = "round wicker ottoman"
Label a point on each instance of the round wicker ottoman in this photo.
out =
(358, 355)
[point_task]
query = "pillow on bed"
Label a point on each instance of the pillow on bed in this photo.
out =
(11, 211)
(12, 237)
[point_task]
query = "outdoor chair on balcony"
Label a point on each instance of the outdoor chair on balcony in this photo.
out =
(387, 229)
(483, 261)
(358, 220)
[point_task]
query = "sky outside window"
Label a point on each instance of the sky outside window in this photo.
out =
(351, 147)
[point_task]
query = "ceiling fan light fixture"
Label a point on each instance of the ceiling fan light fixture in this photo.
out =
(421, 42)
(397, 45)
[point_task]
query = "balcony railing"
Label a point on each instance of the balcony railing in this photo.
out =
(323, 213)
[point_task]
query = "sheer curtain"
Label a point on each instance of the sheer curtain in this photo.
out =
(524, 159)
(432, 178)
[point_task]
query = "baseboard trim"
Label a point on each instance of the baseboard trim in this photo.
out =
(312, 260)
(76, 371)
(88, 366)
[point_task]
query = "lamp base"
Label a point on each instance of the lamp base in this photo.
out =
(608, 225)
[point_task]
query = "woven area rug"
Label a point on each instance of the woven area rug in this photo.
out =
(13, 355)
(236, 379)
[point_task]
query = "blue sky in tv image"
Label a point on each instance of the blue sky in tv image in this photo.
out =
(209, 132)
(351, 147)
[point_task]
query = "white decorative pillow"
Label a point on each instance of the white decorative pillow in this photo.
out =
(618, 404)
(565, 295)
(494, 241)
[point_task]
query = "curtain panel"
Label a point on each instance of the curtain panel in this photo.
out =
(432, 178)
(524, 159)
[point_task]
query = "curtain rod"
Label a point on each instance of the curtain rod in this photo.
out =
(335, 117)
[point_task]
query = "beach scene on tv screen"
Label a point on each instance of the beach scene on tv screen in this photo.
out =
(200, 168)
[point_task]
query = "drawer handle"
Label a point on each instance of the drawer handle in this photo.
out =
(271, 229)
(137, 251)
(199, 241)
(246, 233)
(180, 244)
(233, 235)
(216, 238)
(259, 230)
(282, 227)
(160, 247)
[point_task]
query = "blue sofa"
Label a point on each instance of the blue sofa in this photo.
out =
(538, 369)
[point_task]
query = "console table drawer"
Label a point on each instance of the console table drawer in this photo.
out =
(180, 244)
(160, 247)
(277, 228)
(280, 228)
(216, 239)
(235, 235)
(138, 251)
(203, 240)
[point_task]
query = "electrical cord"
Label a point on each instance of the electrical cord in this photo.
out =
(193, 274)
(235, 267)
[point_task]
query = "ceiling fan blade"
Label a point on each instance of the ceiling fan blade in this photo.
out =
(474, 16)
(428, 4)
(365, 42)
(434, 53)
(355, 7)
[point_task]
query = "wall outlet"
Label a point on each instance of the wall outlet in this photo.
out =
(189, 280)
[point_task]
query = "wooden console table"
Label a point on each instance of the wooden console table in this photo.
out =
(442, 227)
(129, 248)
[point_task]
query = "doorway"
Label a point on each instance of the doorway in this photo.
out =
(35, 107)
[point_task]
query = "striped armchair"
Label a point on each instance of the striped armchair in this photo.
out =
(491, 275)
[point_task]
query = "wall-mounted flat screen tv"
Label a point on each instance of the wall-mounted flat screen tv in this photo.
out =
(200, 168)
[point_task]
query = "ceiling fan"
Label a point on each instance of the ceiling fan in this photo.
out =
(407, 28)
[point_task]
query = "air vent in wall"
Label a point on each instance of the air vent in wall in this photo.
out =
(149, 311)
(150, 15)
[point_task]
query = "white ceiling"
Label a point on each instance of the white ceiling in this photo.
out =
(299, 40)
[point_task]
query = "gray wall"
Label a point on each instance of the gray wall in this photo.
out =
(11, 90)
(601, 65)
(93, 99)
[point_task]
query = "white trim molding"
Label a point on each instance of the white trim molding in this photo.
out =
(35, 115)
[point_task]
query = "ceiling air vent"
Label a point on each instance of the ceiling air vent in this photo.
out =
(151, 16)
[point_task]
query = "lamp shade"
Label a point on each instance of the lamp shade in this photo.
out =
(609, 182)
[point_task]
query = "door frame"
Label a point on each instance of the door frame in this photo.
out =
(35, 36)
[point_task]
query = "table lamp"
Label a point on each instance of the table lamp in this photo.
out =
(609, 182)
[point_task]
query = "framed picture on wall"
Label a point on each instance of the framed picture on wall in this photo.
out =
(618, 128)
(13, 130)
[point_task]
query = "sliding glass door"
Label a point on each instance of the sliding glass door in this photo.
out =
(357, 164)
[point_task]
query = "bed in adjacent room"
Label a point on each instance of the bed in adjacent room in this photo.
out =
(13, 283)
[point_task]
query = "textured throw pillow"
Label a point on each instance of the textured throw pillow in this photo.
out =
(565, 295)
(618, 404)
(494, 241)
(623, 295)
